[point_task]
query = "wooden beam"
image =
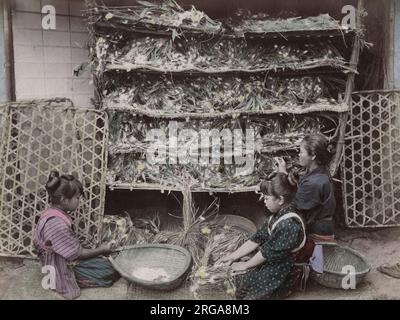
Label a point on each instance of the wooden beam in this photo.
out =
(355, 56)
(389, 81)
(8, 51)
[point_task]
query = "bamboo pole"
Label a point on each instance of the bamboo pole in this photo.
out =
(163, 188)
(349, 90)
(187, 213)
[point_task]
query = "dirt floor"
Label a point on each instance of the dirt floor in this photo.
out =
(20, 279)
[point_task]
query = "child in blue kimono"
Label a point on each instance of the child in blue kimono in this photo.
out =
(315, 197)
(277, 243)
(315, 200)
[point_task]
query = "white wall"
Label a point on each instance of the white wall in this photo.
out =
(45, 59)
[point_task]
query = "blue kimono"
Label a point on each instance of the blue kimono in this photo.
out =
(275, 277)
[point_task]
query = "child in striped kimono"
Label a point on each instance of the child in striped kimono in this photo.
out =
(58, 247)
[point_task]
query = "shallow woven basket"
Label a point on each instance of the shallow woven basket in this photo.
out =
(174, 260)
(238, 222)
(335, 258)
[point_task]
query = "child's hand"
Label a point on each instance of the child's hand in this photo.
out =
(227, 260)
(239, 266)
(280, 165)
(105, 248)
(113, 245)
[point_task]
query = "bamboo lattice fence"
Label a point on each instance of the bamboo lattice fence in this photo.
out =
(45, 135)
(371, 163)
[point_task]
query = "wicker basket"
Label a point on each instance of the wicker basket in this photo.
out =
(238, 222)
(173, 260)
(335, 258)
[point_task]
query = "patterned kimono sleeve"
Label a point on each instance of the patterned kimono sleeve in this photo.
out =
(261, 235)
(285, 238)
(63, 241)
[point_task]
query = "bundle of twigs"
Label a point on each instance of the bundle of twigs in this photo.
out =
(169, 17)
(164, 55)
(129, 133)
(123, 170)
(195, 229)
(208, 275)
(144, 230)
(130, 163)
(208, 95)
(126, 169)
(246, 22)
(116, 229)
(153, 16)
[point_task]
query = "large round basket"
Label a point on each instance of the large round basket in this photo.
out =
(238, 222)
(339, 262)
(173, 261)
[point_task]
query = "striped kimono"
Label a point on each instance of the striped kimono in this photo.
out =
(58, 246)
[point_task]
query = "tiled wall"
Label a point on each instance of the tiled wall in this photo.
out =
(45, 59)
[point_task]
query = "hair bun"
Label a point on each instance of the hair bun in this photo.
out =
(68, 177)
(54, 181)
(293, 178)
(331, 148)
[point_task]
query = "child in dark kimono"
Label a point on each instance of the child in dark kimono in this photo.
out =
(315, 197)
(57, 246)
(315, 200)
(277, 241)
